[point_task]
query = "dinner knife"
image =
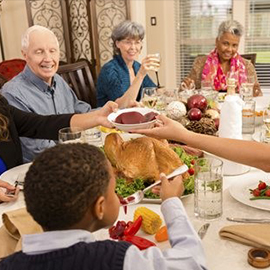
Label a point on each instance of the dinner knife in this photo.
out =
(249, 220)
(203, 230)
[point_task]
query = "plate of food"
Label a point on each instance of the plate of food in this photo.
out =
(138, 163)
(16, 174)
(133, 118)
(243, 191)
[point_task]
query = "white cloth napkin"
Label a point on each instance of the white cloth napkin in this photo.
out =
(231, 127)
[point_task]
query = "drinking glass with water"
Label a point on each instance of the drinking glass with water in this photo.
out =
(208, 188)
(248, 117)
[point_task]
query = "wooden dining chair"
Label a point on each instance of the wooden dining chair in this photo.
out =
(251, 57)
(11, 68)
(78, 75)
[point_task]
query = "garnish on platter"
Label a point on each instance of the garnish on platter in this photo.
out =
(139, 162)
(261, 192)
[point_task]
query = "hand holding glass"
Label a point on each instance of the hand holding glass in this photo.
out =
(155, 64)
(154, 61)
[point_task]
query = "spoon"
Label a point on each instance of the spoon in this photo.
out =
(139, 195)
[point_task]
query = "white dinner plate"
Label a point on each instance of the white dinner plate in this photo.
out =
(240, 191)
(16, 173)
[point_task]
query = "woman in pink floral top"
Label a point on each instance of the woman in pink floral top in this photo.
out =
(223, 62)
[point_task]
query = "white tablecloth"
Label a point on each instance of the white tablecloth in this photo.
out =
(220, 253)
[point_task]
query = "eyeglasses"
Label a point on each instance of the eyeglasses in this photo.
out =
(129, 43)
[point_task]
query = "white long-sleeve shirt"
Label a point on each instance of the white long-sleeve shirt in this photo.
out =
(186, 251)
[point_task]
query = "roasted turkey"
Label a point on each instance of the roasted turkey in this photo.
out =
(143, 157)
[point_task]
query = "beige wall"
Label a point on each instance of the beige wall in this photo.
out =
(13, 24)
(161, 37)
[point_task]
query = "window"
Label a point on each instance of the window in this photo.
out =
(257, 38)
(197, 24)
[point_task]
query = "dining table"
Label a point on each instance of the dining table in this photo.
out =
(221, 254)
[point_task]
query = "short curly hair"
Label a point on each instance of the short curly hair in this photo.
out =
(63, 182)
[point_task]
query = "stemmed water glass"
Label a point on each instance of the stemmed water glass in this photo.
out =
(149, 97)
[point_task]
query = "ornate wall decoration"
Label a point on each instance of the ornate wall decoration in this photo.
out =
(80, 30)
(78, 24)
(48, 13)
(109, 13)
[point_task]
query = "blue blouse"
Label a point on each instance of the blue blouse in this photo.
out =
(114, 80)
(3, 166)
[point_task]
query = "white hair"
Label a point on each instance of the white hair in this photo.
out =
(26, 35)
(231, 26)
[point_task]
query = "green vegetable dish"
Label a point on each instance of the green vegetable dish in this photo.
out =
(125, 189)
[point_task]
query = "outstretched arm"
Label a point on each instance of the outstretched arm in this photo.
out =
(94, 118)
(247, 152)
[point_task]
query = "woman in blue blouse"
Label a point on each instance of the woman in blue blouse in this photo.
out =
(122, 78)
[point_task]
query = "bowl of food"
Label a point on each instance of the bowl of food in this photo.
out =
(133, 118)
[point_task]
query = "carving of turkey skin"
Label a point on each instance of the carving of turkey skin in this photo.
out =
(143, 158)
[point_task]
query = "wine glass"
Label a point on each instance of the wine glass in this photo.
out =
(71, 135)
(149, 97)
(266, 121)
(156, 59)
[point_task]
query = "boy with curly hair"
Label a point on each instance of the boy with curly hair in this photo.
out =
(70, 191)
